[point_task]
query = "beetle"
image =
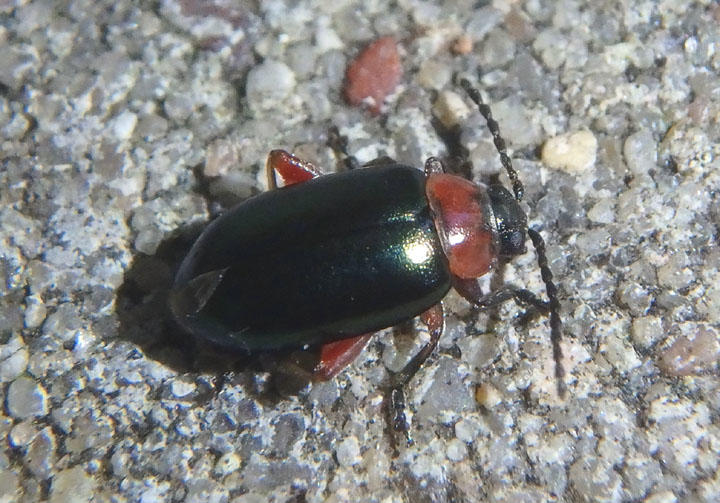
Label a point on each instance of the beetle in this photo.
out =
(329, 259)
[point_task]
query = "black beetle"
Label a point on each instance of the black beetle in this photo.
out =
(327, 260)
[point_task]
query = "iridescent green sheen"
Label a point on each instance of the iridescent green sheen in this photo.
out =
(337, 256)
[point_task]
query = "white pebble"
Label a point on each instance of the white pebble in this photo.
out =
(26, 398)
(572, 152)
(22, 434)
(327, 40)
(456, 450)
(433, 74)
(450, 109)
(222, 154)
(646, 331)
(123, 125)
(348, 452)
(14, 365)
(180, 388)
(661, 497)
(603, 212)
(35, 311)
(271, 80)
(228, 463)
(72, 484)
(466, 430)
(640, 151)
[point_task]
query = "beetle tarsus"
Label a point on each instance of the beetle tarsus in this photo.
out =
(338, 143)
(547, 308)
(433, 318)
(521, 296)
(398, 420)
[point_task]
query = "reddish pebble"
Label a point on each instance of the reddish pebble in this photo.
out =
(462, 45)
(374, 74)
(692, 354)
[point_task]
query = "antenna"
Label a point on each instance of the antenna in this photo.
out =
(494, 128)
(552, 307)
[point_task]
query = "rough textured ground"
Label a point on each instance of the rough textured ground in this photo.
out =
(126, 125)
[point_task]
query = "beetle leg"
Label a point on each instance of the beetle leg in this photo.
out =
(290, 168)
(470, 290)
(338, 143)
(380, 162)
(335, 356)
(434, 320)
(433, 166)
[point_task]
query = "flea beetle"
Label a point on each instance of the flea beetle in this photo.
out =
(326, 260)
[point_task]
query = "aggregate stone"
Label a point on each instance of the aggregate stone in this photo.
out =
(434, 74)
(26, 398)
(450, 109)
(35, 311)
(456, 450)
(227, 463)
(72, 484)
(269, 82)
(22, 434)
(348, 452)
(640, 152)
(573, 152)
(497, 49)
(695, 350)
(9, 485)
(14, 358)
(41, 454)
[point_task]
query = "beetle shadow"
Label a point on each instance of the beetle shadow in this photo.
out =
(145, 320)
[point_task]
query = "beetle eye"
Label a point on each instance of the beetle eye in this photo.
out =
(512, 242)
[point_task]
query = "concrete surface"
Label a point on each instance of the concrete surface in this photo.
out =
(127, 125)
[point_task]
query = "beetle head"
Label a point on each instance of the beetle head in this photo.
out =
(510, 221)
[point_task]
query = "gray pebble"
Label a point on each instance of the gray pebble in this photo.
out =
(26, 398)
